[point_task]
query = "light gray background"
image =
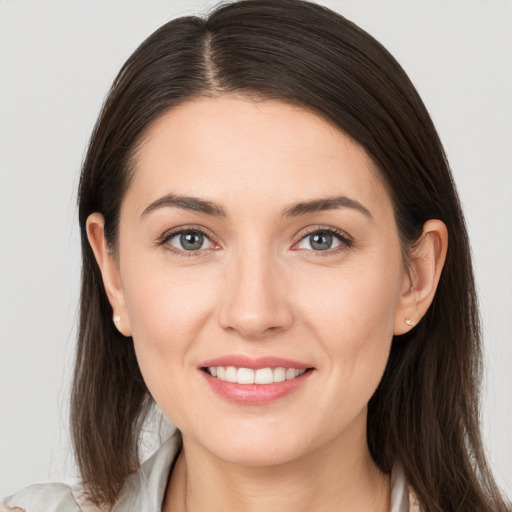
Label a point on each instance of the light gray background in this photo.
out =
(57, 60)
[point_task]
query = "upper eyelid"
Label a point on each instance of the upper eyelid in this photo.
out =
(167, 235)
(324, 229)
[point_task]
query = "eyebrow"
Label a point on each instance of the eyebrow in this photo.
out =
(210, 208)
(329, 203)
(194, 204)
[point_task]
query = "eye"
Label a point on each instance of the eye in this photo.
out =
(190, 240)
(322, 240)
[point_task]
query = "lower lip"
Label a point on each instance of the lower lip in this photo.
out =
(255, 394)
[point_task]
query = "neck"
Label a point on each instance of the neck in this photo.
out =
(334, 477)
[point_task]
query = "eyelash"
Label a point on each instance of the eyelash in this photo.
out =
(346, 241)
(162, 241)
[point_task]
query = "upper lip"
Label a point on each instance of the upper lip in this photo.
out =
(255, 363)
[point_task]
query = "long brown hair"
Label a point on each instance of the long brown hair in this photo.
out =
(425, 412)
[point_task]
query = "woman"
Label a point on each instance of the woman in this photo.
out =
(273, 252)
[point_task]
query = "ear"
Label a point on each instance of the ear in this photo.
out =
(420, 285)
(109, 268)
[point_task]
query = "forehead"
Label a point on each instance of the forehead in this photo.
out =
(233, 149)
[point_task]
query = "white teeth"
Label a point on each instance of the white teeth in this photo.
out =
(291, 373)
(250, 376)
(231, 374)
(264, 376)
(279, 374)
(245, 376)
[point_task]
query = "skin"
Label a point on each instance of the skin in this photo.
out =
(257, 287)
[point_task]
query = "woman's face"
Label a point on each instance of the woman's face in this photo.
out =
(255, 235)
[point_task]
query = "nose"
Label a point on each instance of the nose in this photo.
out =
(254, 300)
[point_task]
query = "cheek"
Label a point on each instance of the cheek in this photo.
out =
(167, 311)
(164, 301)
(354, 299)
(352, 314)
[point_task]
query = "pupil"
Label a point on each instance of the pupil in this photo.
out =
(191, 241)
(321, 241)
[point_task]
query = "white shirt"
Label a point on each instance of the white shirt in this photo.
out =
(144, 491)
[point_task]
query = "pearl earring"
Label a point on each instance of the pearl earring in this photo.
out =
(409, 322)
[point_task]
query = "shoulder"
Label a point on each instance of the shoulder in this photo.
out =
(46, 498)
(143, 490)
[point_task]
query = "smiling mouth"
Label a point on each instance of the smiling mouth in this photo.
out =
(250, 376)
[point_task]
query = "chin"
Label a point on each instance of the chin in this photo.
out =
(257, 455)
(266, 448)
